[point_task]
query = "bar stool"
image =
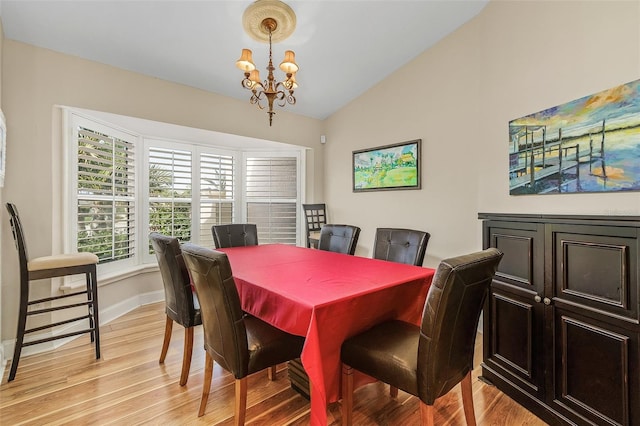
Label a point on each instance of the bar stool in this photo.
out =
(50, 267)
(315, 215)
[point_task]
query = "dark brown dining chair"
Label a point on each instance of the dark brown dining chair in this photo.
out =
(315, 215)
(235, 235)
(50, 267)
(401, 245)
(339, 238)
(427, 361)
(181, 303)
(239, 343)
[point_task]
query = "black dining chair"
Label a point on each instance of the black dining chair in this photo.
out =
(181, 303)
(235, 235)
(401, 245)
(339, 238)
(51, 267)
(315, 215)
(239, 343)
(427, 361)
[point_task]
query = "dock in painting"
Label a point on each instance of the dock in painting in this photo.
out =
(588, 145)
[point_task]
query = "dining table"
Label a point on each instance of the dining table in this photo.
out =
(326, 297)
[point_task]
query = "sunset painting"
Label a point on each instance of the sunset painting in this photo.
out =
(588, 145)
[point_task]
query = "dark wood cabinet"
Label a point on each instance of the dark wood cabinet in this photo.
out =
(561, 323)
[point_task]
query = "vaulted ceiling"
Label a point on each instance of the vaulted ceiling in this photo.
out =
(343, 48)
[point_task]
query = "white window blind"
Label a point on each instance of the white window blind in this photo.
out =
(216, 193)
(105, 195)
(170, 192)
(122, 186)
(271, 191)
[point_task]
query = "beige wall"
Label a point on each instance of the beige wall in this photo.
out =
(513, 59)
(37, 79)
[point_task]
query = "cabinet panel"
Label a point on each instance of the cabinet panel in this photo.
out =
(515, 341)
(596, 268)
(592, 374)
(596, 272)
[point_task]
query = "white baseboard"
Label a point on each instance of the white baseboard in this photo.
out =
(106, 316)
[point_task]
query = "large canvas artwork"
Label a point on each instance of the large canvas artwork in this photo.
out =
(588, 145)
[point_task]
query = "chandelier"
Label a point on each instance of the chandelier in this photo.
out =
(274, 21)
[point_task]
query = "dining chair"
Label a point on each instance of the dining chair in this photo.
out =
(181, 303)
(45, 267)
(235, 235)
(427, 361)
(241, 344)
(401, 245)
(339, 238)
(315, 215)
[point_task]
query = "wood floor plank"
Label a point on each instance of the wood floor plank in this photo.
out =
(128, 386)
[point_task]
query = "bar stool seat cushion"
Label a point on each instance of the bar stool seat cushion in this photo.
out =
(61, 261)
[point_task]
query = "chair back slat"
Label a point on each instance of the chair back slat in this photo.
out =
(315, 215)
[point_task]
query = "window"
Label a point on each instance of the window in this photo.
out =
(105, 203)
(217, 184)
(124, 186)
(170, 202)
(272, 197)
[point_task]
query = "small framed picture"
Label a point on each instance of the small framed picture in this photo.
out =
(387, 167)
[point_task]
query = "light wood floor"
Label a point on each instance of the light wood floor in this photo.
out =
(128, 387)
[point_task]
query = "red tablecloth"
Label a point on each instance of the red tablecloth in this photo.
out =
(326, 297)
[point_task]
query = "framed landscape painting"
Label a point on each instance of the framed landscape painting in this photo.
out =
(387, 167)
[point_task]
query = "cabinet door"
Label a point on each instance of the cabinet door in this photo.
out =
(513, 316)
(593, 283)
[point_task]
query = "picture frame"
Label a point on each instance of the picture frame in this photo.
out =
(3, 148)
(389, 167)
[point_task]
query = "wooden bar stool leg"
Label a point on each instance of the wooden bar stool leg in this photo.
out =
(92, 326)
(22, 323)
(94, 306)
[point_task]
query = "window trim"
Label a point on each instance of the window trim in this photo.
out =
(142, 261)
(70, 206)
